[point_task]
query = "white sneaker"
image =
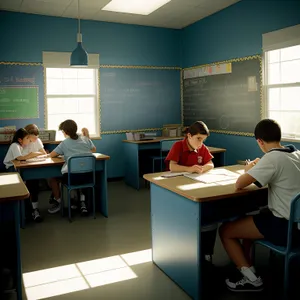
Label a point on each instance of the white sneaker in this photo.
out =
(245, 285)
(54, 208)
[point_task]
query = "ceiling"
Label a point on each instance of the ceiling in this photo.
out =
(176, 14)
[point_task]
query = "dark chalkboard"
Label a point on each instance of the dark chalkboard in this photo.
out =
(137, 98)
(226, 102)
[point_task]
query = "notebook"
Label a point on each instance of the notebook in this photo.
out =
(174, 174)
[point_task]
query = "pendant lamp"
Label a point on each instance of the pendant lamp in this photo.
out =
(79, 57)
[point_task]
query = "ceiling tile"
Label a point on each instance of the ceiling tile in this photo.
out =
(46, 8)
(10, 4)
(175, 14)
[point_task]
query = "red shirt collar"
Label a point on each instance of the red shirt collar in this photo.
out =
(186, 147)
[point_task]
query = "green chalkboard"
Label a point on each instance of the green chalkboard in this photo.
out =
(230, 102)
(19, 102)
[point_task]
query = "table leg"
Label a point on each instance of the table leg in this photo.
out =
(132, 176)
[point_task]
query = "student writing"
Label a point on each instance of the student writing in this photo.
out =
(191, 155)
(279, 168)
(15, 151)
(72, 145)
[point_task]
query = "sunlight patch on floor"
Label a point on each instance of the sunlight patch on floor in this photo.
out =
(80, 276)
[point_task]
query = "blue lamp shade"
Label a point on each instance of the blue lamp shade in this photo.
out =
(79, 57)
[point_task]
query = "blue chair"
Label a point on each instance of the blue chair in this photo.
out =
(79, 164)
(165, 146)
(289, 251)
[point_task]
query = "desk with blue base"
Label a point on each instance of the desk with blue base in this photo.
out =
(132, 153)
(12, 191)
(51, 167)
(179, 208)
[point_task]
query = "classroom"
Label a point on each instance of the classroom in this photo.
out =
(149, 75)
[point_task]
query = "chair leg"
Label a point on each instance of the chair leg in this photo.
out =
(94, 204)
(69, 205)
(22, 211)
(62, 200)
(286, 278)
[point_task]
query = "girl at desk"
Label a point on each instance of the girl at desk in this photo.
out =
(191, 155)
(35, 144)
(15, 151)
(72, 145)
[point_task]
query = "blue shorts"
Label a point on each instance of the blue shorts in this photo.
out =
(274, 229)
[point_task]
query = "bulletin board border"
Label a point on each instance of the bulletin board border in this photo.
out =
(252, 57)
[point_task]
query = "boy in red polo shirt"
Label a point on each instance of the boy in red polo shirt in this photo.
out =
(191, 155)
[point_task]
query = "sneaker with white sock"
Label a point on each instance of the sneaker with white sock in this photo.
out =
(248, 282)
(83, 209)
(36, 216)
(54, 208)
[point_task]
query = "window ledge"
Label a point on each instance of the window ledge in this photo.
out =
(290, 139)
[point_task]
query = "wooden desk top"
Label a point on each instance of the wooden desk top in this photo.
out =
(202, 192)
(12, 187)
(50, 162)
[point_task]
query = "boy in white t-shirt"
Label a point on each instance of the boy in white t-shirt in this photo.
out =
(279, 168)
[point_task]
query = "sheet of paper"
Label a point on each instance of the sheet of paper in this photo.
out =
(217, 175)
(36, 159)
(173, 174)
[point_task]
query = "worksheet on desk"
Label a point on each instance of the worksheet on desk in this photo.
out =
(215, 175)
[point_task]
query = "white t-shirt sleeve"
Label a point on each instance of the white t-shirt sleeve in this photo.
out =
(39, 144)
(59, 149)
(16, 151)
(263, 171)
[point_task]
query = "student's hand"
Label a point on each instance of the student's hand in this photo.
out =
(85, 132)
(251, 164)
(196, 169)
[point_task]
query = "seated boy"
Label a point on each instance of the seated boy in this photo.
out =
(279, 168)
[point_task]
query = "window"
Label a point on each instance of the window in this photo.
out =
(283, 89)
(72, 93)
(282, 79)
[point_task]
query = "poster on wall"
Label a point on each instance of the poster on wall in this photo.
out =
(21, 92)
(19, 102)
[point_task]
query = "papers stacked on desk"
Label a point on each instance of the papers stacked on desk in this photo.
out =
(36, 159)
(215, 175)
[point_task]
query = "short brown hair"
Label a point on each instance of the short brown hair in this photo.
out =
(32, 129)
(198, 127)
(70, 128)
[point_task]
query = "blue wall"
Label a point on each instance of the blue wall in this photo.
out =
(231, 33)
(24, 37)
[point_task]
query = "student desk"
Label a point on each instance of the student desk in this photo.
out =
(12, 191)
(51, 167)
(131, 156)
(179, 208)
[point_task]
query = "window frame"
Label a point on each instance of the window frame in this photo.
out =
(97, 110)
(267, 87)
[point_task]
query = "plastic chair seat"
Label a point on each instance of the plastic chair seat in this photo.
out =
(288, 252)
